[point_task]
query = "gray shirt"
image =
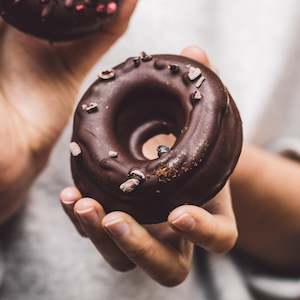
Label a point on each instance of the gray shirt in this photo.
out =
(254, 46)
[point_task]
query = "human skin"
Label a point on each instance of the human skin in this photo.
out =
(38, 86)
(266, 194)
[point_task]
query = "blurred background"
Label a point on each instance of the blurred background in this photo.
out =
(253, 45)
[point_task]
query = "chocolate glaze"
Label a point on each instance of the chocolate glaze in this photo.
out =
(58, 20)
(156, 95)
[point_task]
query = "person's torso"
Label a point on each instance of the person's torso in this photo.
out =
(255, 48)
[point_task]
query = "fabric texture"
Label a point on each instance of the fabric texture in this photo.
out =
(254, 46)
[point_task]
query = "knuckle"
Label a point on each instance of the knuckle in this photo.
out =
(227, 244)
(142, 250)
(206, 239)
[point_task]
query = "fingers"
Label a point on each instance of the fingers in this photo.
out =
(163, 263)
(68, 198)
(87, 214)
(90, 215)
(214, 231)
(196, 53)
(124, 243)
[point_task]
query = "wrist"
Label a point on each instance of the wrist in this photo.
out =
(16, 176)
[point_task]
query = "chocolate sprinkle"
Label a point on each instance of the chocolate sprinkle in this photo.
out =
(75, 149)
(161, 150)
(113, 154)
(129, 185)
(107, 75)
(137, 174)
(194, 73)
(196, 95)
(200, 81)
(174, 69)
(91, 108)
(145, 57)
(137, 61)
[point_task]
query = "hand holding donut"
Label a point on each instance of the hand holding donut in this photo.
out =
(38, 87)
(164, 250)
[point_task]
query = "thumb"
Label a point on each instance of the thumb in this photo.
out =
(196, 53)
(212, 227)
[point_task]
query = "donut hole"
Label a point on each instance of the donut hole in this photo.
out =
(151, 145)
(149, 112)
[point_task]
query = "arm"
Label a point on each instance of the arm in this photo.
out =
(38, 87)
(266, 199)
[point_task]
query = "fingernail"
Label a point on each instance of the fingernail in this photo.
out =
(89, 217)
(184, 222)
(68, 201)
(117, 227)
(68, 196)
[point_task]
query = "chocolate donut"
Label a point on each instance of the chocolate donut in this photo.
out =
(143, 97)
(58, 20)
